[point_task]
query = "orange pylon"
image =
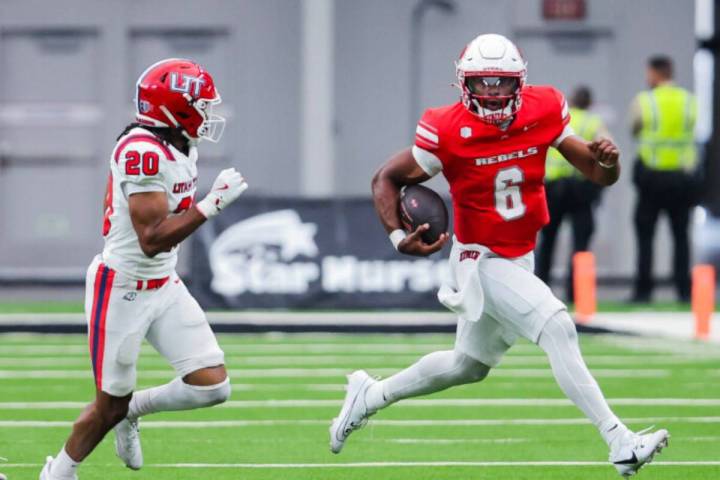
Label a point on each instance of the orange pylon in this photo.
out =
(703, 299)
(584, 285)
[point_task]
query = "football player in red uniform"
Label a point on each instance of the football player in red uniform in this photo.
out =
(491, 148)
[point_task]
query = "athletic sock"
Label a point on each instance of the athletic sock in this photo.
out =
(375, 397)
(63, 466)
(611, 429)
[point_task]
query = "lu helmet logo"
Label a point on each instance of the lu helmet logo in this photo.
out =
(188, 83)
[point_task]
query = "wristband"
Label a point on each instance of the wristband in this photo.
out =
(607, 165)
(207, 207)
(397, 236)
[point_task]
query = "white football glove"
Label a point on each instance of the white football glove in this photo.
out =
(227, 187)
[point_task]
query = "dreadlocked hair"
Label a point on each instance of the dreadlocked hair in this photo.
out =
(163, 133)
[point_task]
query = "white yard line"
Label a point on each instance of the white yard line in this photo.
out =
(374, 359)
(451, 441)
(420, 464)
(701, 439)
(672, 325)
(264, 349)
(266, 318)
(385, 423)
(645, 345)
(417, 403)
(334, 372)
(268, 348)
(699, 463)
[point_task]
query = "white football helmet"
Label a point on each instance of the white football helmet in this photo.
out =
(498, 63)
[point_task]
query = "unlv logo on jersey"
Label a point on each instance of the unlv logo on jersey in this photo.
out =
(188, 82)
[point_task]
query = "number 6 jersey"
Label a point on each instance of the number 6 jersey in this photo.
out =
(495, 176)
(141, 162)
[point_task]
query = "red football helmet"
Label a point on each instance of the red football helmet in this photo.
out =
(179, 93)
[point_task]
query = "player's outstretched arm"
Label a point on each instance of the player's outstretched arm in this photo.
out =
(400, 170)
(159, 232)
(599, 160)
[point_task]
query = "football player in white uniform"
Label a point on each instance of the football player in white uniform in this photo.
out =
(132, 290)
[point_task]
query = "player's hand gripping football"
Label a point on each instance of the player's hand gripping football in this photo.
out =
(413, 244)
(606, 152)
(228, 186)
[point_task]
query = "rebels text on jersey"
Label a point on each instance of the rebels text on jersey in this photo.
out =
(140, 162)
(495, 176)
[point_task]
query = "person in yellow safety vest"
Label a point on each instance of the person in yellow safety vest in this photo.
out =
(663, 123)
(569, 194)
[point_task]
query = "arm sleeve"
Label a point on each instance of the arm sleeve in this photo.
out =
(140, 168)
(567, 132)
(428, 161)
(426, 149)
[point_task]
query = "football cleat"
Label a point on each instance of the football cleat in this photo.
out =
(633, 450)
(354, 413)
(46, 475)
(127, 443)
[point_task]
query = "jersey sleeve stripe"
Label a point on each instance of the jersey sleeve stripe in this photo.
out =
(422, 143)
(565, 110)
(428, 126)
(143, 138)
(428, 161)
(427, 134)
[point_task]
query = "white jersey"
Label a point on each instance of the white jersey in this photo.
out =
(141, 162)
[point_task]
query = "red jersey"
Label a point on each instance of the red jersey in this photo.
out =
(496, 176)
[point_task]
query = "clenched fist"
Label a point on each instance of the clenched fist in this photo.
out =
(228, 186)
(606, 152)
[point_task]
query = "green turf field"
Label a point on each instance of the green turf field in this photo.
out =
(514, 425)
(77, 307)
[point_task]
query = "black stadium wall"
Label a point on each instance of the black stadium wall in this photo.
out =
(308, 253)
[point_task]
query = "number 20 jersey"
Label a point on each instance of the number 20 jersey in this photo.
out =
(496, 176)
(141, 162)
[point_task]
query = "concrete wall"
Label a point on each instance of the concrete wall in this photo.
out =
(69, 71)
(70, 67)
(607, 52)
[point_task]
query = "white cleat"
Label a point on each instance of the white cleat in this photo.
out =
(46, 475)
(633, 450)
(354, 412)
(127, 443)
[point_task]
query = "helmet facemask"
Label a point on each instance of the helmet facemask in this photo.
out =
(213, 125)
(491, 74)
(492, 96)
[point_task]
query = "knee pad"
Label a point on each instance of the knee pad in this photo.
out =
(208, 395)
(469, 370)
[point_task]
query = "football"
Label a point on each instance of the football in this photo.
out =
(419, 205)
